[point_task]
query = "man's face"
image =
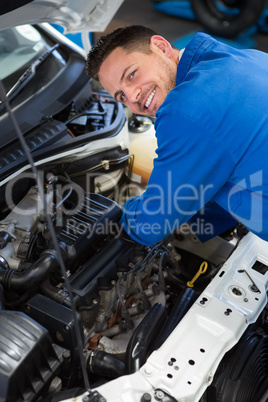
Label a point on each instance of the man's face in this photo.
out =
(140, 81)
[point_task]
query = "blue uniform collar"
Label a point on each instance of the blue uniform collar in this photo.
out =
(191, 54)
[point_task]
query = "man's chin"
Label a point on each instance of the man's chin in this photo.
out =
(149, 114)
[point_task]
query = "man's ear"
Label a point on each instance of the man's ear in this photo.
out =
(159, 43)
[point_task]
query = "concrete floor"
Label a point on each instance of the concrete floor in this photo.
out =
(172, 28)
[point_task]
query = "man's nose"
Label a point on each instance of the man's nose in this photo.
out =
(134, 94)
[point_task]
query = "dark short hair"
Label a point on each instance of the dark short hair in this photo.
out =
(131, 38)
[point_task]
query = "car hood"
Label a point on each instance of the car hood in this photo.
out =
(73, 16)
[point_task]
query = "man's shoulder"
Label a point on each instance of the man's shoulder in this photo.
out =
(199, 39)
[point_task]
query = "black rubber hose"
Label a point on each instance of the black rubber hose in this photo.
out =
(185, 300)
(2, 298)
(58, 295)
(143, 337)
(227, 18)
(105, 365)
(23, 280)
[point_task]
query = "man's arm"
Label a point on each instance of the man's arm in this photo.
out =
(191, 167)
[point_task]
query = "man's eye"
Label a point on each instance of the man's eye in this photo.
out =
(132, 74)
(122, 97)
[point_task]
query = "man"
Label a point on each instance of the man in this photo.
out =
(211, 107)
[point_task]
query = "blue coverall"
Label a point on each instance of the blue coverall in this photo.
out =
(212, 136)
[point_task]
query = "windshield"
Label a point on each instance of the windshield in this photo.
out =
(19, 47)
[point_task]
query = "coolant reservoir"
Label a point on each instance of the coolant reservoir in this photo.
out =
(142, 145)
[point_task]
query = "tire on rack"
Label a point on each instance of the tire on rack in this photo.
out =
(227, 18)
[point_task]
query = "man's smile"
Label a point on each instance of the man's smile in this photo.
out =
(149, 99)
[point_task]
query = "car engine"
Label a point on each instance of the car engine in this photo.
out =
(86, 313)
(123, 300)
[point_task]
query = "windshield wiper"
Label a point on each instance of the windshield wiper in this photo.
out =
(29, 73)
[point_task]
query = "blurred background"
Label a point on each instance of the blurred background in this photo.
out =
(160, 16)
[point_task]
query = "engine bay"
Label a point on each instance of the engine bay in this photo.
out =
(134, 305)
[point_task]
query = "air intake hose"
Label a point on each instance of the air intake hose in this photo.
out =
(23, 280)
(143, 337)
(104, 364)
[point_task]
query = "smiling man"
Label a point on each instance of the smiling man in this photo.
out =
(210, 104)
(128, 76)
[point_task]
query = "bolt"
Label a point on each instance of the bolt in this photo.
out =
(210, 376)
(147, 371)
(59, 336)
(101, 309)
(254, 288)
(159, 395)
(66, 354)
(146, 397)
